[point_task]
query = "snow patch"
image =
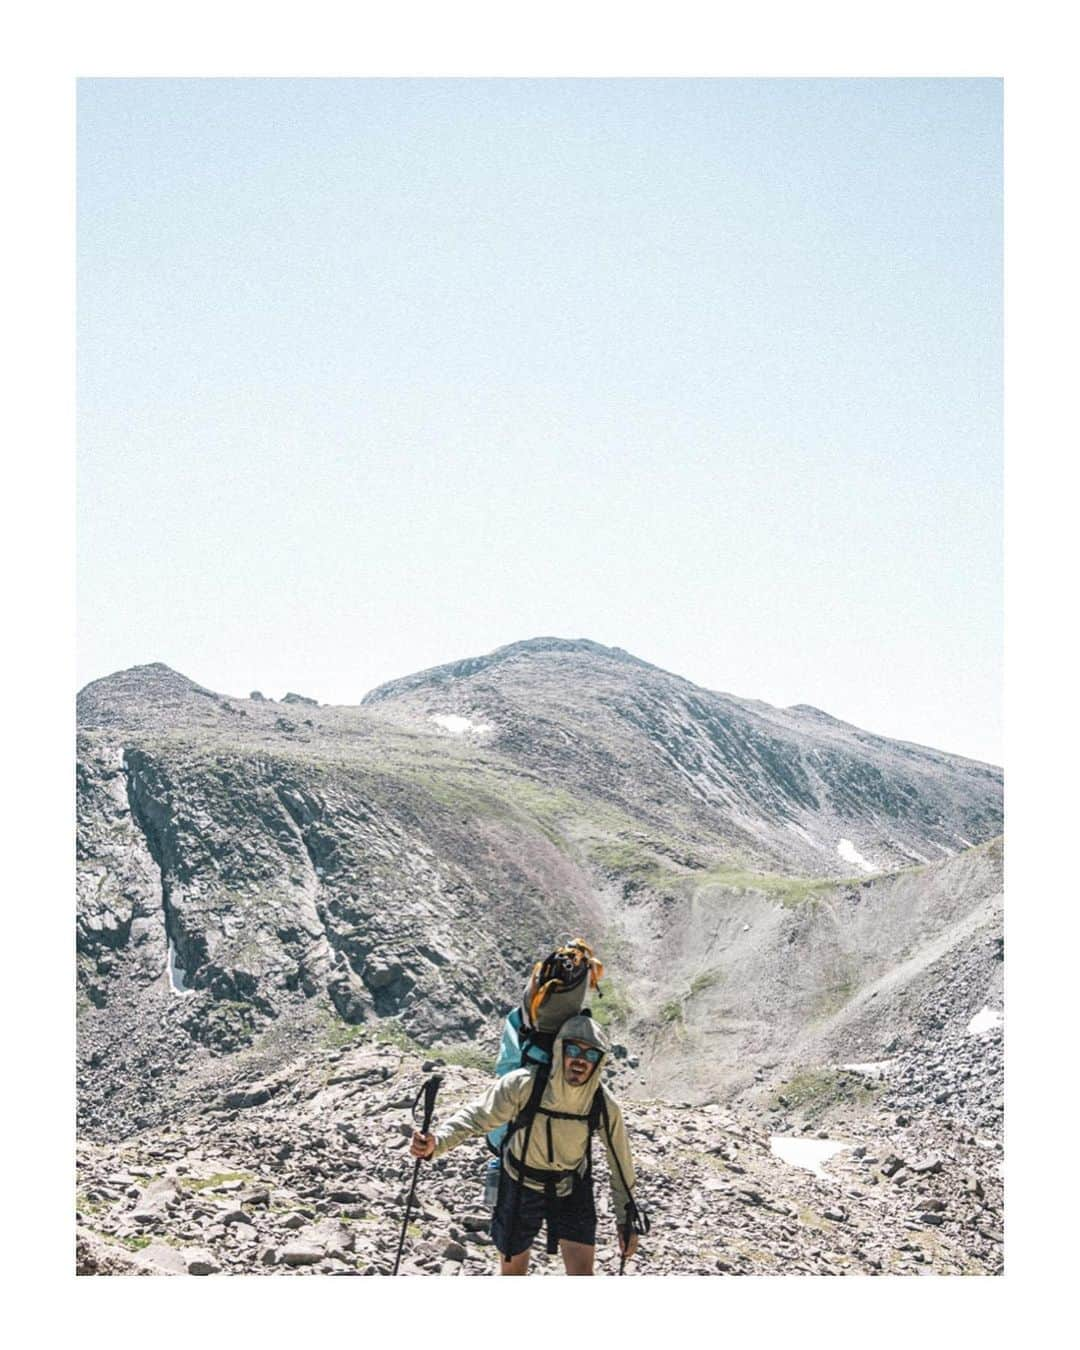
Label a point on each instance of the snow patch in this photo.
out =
(177, 973)
(873, 1068)
(810, 1154)
(986, 1020)
(458, 726)
(850, 853)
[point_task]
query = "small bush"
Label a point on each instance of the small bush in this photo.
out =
(218, 1179)
(612, 1008)
(339, 1035)
(814, 1090)
(706, 980)
(391, 1032)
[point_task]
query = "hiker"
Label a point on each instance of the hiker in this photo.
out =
(557, 1148)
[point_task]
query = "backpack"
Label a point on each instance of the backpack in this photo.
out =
(556, 989)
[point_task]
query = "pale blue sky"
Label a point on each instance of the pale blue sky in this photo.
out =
(375, 374)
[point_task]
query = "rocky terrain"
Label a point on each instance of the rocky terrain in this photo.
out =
(272, 895)
(306, 1172)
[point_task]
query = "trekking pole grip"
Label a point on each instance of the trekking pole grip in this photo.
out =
(429, 1090)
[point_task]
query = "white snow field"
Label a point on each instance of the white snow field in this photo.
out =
(851, 854)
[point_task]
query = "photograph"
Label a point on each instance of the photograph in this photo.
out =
(539, 584)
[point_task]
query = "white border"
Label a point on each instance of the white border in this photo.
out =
(51, 45)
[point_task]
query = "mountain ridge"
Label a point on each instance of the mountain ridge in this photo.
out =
(159, 674)
(275, 848)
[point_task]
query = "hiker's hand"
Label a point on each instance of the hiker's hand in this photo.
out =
(422, 1145)
(627, 1245)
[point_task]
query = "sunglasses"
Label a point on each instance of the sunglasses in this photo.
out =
(572, 1050)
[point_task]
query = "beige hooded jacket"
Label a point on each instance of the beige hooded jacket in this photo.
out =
(554, 1145)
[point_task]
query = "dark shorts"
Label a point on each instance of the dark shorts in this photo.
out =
(574, 1216)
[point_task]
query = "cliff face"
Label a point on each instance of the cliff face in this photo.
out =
(252, 872)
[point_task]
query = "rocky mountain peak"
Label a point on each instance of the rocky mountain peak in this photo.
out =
(584, 646)
(154, 689)
(526, 650)
(808, 710)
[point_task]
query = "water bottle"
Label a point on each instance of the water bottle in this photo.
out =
(491, 1183)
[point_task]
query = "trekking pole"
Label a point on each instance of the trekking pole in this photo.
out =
(428, 1092)
(637, 1221)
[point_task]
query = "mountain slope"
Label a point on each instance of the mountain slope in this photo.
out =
(251, 873)
(782, 786)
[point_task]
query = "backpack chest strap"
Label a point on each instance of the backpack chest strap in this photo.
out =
(590, 1119)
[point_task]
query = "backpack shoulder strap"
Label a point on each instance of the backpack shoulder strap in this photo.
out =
(527, 1114)
(598, 1111)
(637, 1218)
(542, 1042)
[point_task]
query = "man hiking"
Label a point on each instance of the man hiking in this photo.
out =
(551, 1146)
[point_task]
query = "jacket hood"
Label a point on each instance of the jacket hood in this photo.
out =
(580, 1027)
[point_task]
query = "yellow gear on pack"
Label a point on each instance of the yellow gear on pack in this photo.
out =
(559, 984)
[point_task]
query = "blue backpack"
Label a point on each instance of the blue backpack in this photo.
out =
(518, 1049)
